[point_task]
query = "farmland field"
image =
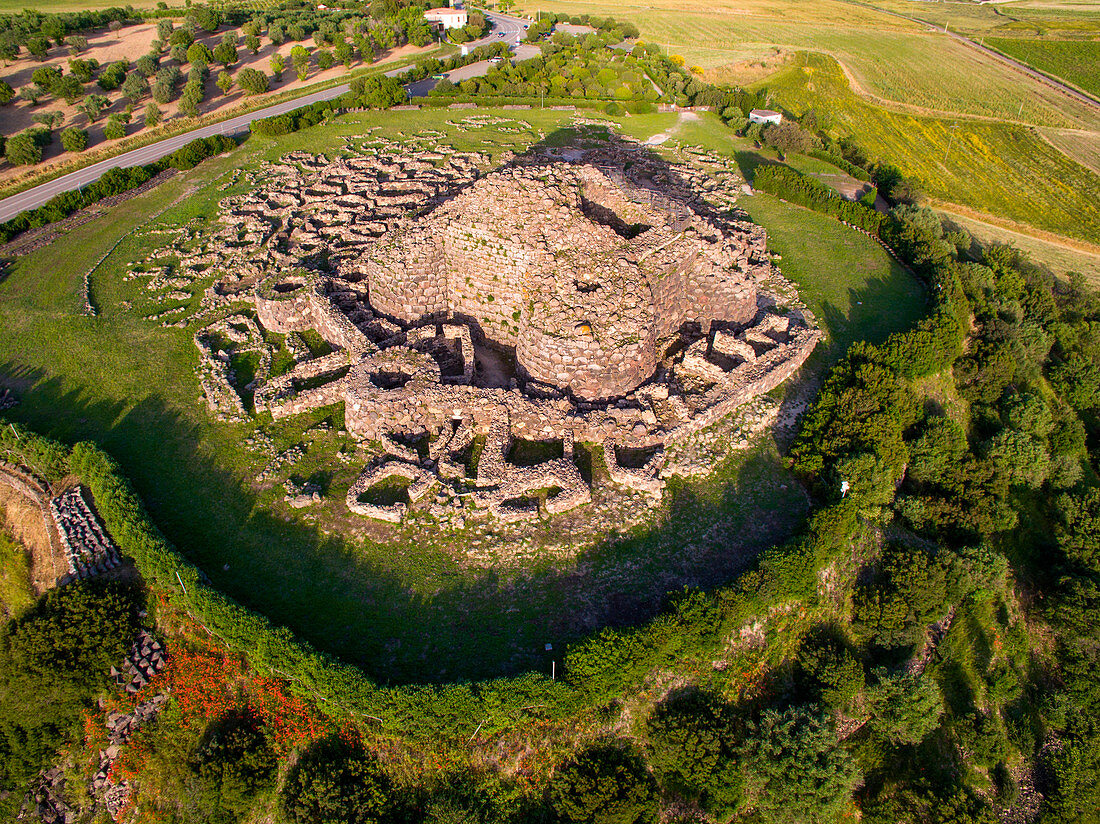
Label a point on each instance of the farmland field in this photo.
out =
(1003, 170)
(1082, 146)
(1077, 61)
(901, 62)
(406, 607)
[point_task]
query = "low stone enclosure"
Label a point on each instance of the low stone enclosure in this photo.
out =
(470, 316)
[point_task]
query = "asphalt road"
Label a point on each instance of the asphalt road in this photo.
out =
(32, 198)
(512, 29)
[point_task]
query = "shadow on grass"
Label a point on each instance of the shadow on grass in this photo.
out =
(325, 589)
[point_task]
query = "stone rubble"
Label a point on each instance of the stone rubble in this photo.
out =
(88, 549)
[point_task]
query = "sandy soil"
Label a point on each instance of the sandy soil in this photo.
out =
(131, 43)
(25, 521)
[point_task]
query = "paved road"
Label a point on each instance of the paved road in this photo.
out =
(506, 29)
(513, 29)
(32, 198)
(421, 87)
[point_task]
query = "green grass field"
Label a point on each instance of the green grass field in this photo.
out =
(406, 608)
(1077, 61)
(1003, 170)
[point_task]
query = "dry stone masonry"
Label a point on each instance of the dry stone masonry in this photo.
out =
(88, 548)
(479, 325)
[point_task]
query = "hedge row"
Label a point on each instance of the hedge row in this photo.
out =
(785, 182)
(113, 182)
(296, 119)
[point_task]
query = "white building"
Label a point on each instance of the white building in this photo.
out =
(448, 18)
(765, 116)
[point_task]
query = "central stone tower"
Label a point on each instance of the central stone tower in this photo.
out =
(586, 275)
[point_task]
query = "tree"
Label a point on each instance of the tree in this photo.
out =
(46, 77)
(115, 128)
(334, 783)
(253, 81)
(164, 30)
(193, 94)
(135, 87)
(604, 784)
(225, 82)
(146, 65)
(68, 88)
(225, 54)
(904, 708)
(32, 94)
(199, 53)
(51, 120)
(278, 63)
(38, 46)
(252, 43)
(112, 76)
(165, 85)
(74, 139)
(76, 43)
(344, 52)
(152, 115)
(796, 770)
(300, 58)
(83, 70)
(378, 92)
(325, 60)
(7, 93)
(22, 149)
(233, 764)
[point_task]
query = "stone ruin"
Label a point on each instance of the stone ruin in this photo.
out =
(88, 548)
(569, 297)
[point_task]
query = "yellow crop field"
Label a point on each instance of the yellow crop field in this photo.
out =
(998, 169)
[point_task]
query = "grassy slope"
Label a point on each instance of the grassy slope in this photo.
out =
(405, 609)
(1073, 60)
(1007, 171)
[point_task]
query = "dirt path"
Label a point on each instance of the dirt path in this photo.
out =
(662, 137)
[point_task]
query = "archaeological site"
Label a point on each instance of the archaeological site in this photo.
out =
(467, 310)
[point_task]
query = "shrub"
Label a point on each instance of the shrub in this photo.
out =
(332, 782)
(22, 149)
(233, 764)
(604, 784)
(689, 753)
(796, 769)
(253, 81)
(74, 139)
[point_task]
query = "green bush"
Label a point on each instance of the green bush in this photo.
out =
(74, 139)
(335, 783)
(54, 660)
(604, 784)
